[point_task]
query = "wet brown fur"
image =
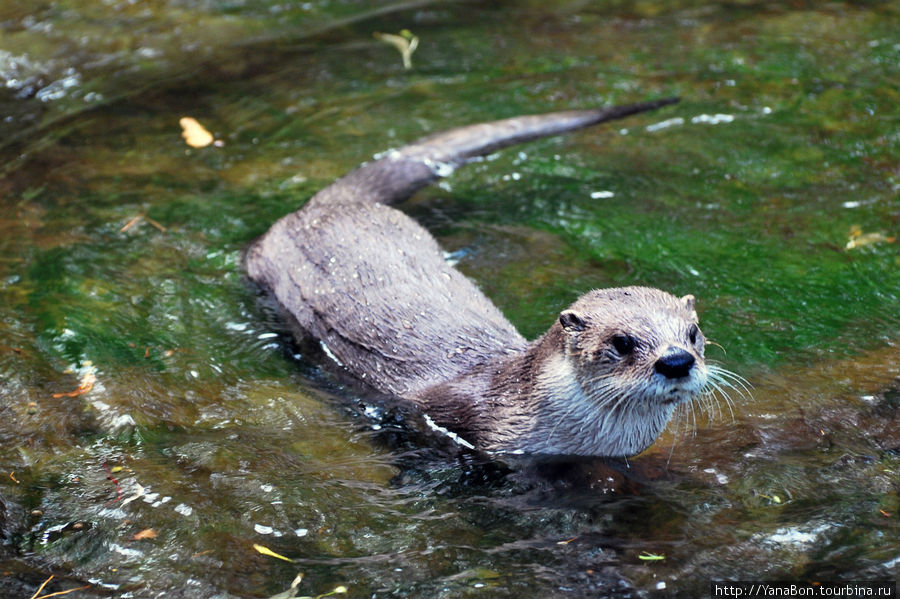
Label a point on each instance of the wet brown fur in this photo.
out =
(374, 288)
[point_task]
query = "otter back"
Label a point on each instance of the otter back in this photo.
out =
(373, 286)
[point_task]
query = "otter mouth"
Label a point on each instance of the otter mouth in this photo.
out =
(675, 392)
(674, 401)
(677, 396)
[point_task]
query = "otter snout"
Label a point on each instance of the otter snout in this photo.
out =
(676, 363)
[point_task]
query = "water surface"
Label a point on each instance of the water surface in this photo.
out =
(207, 427)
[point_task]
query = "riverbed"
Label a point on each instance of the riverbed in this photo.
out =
(159, 427)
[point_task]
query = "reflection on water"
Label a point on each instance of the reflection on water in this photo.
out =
(204, 431)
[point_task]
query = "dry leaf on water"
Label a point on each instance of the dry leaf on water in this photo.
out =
(859, 239)
(196, 134)
(87, 383)
(147, 533)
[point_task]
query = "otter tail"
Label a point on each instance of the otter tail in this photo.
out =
(400, 173)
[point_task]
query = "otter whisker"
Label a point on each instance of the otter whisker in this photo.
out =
(737, 382)
(719, 345)
(722, 381)
(718, 396)
(693, 414)
(710, 407)
(717, 393)
(720, 385)
(732, 384)
(709, 399)
(675, 434)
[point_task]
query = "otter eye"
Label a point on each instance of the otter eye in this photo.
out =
(623, 344)
(692, 334)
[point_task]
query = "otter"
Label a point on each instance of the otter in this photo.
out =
(373, 287)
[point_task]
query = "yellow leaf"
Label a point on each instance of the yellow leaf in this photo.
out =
(270, 553)
(406, 43)
(859, 239)
(651, 557)
(194, 133)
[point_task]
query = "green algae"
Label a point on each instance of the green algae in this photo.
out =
(200, 400)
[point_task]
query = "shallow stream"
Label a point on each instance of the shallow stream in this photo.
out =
(157, 426)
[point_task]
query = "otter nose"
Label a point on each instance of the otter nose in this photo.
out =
(675, 363)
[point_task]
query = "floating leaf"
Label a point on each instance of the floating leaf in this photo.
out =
(138, 219)
(859, 239)
(139, 492)
(56, 594)
(406, 43)
(651, 557)
(291, 593)
(130, 223)
(270, 553)
(147, 533)
(87, 383)
(194, 133)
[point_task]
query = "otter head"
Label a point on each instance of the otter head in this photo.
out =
(636, 353)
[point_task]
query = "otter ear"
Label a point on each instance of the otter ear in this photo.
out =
(689, 301)
(571, 320)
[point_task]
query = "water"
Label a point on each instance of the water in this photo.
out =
(206, 427)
